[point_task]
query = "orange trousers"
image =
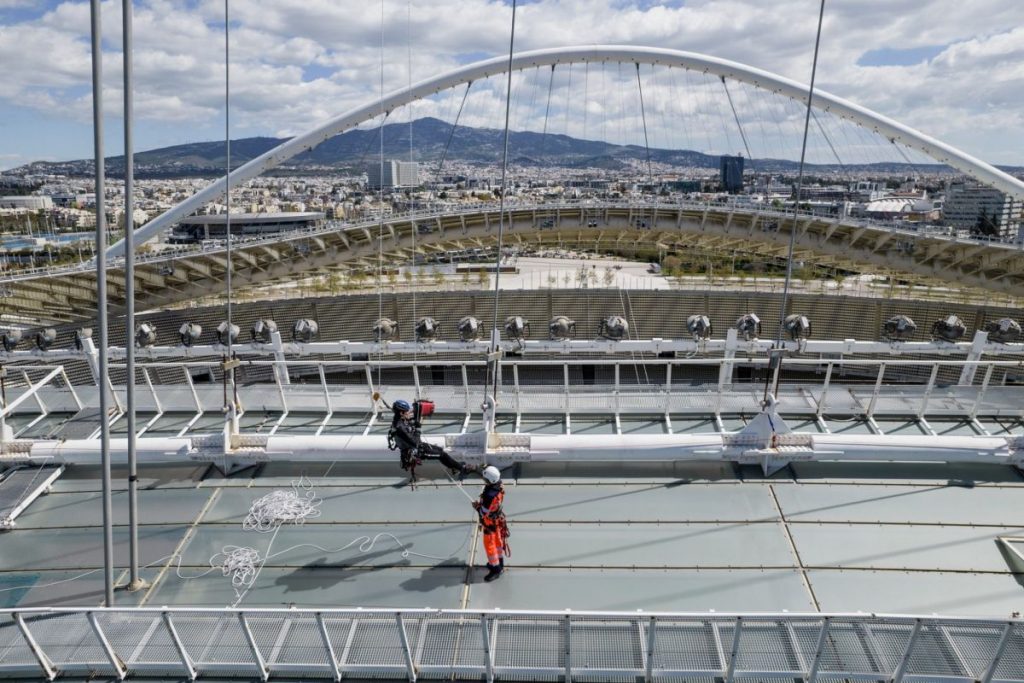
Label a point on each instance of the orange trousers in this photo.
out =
(493, 545)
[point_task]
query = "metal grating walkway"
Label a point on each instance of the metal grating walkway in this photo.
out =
(505, 645)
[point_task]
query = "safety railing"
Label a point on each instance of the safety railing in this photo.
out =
(505, 645)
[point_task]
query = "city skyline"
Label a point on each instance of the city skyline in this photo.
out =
(943, 69)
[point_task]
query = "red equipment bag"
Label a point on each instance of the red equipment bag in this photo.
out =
(424, 408)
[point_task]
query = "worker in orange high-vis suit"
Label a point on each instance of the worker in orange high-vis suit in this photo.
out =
(492, 522)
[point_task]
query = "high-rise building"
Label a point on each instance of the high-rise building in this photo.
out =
(396, 174)
(731, 174)
(983, 210)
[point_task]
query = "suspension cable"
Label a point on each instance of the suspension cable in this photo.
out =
(906, 158)
(495, 365)
(412, 222)
(828, 141)
(739, 125)
(451, 133)
(799, 184)
(586, 94)
(380, 207)
(643, 117)
(547, 111)
(227, 204)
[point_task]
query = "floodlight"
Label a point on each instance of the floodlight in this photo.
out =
(189, 333)
(10, 339)
(1003, 331)
(699, 326)
(385, 329)
(145, 335)
(45, 338)
(950, 329)
(517, 327)
(561, 328)
(613, 327)
(469, 329)
(262, 330)
(224, 329)
(426, 329)
(797, 326)
(80, 336)
(898, 328)
(749, 326)
(304, 330)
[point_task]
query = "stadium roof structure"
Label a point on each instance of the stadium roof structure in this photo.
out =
(859, 523)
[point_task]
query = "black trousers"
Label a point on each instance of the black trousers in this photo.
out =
(428, 451)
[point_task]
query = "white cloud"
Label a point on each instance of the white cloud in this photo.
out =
(297, 63)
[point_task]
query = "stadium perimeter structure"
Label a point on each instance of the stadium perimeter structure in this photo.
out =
(683, 506)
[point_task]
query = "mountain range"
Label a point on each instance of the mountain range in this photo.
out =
(356, 150)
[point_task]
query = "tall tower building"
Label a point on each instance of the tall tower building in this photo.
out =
(731, 174)
(983, 210)
(396, 174)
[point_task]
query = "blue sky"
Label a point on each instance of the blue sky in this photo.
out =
(936, 65)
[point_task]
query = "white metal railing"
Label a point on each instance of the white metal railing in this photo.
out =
(197, 643)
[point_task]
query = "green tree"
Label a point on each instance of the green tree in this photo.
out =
(985, 226)
(671, 264)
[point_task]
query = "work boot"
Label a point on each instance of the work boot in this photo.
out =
(467, 470)
(493, 572)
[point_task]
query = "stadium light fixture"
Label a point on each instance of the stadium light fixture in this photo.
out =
(517, 327)
(45, 338)
(262, 330)
(223, 330)
(699, 326)
(797, 326)
(1003, 331)
(304, 330)
(469, 329)
(749, 326)
(613, 327)
(10, 339)
(145, 335)
(561, 328)
(385, 329)
(189, 333)
(949, 329)
(899, 328)
(426, 329)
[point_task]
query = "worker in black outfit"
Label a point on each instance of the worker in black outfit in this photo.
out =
(405, 437)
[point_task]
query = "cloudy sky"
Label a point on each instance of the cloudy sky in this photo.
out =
(950, 68)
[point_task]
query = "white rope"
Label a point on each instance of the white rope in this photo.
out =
(282, 507)
(240, 564)
(268, 514)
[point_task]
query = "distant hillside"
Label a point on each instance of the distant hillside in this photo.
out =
(358, 149)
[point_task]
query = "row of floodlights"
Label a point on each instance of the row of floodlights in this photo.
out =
(951, 329)
(303, 330)
(516, 327)
(560, 328)
(896, 328)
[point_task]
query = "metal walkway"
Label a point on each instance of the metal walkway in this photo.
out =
(468, 645)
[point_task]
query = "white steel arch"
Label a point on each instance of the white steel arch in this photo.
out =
(723, 68)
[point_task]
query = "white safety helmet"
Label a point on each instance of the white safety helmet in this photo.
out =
(491, 474)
